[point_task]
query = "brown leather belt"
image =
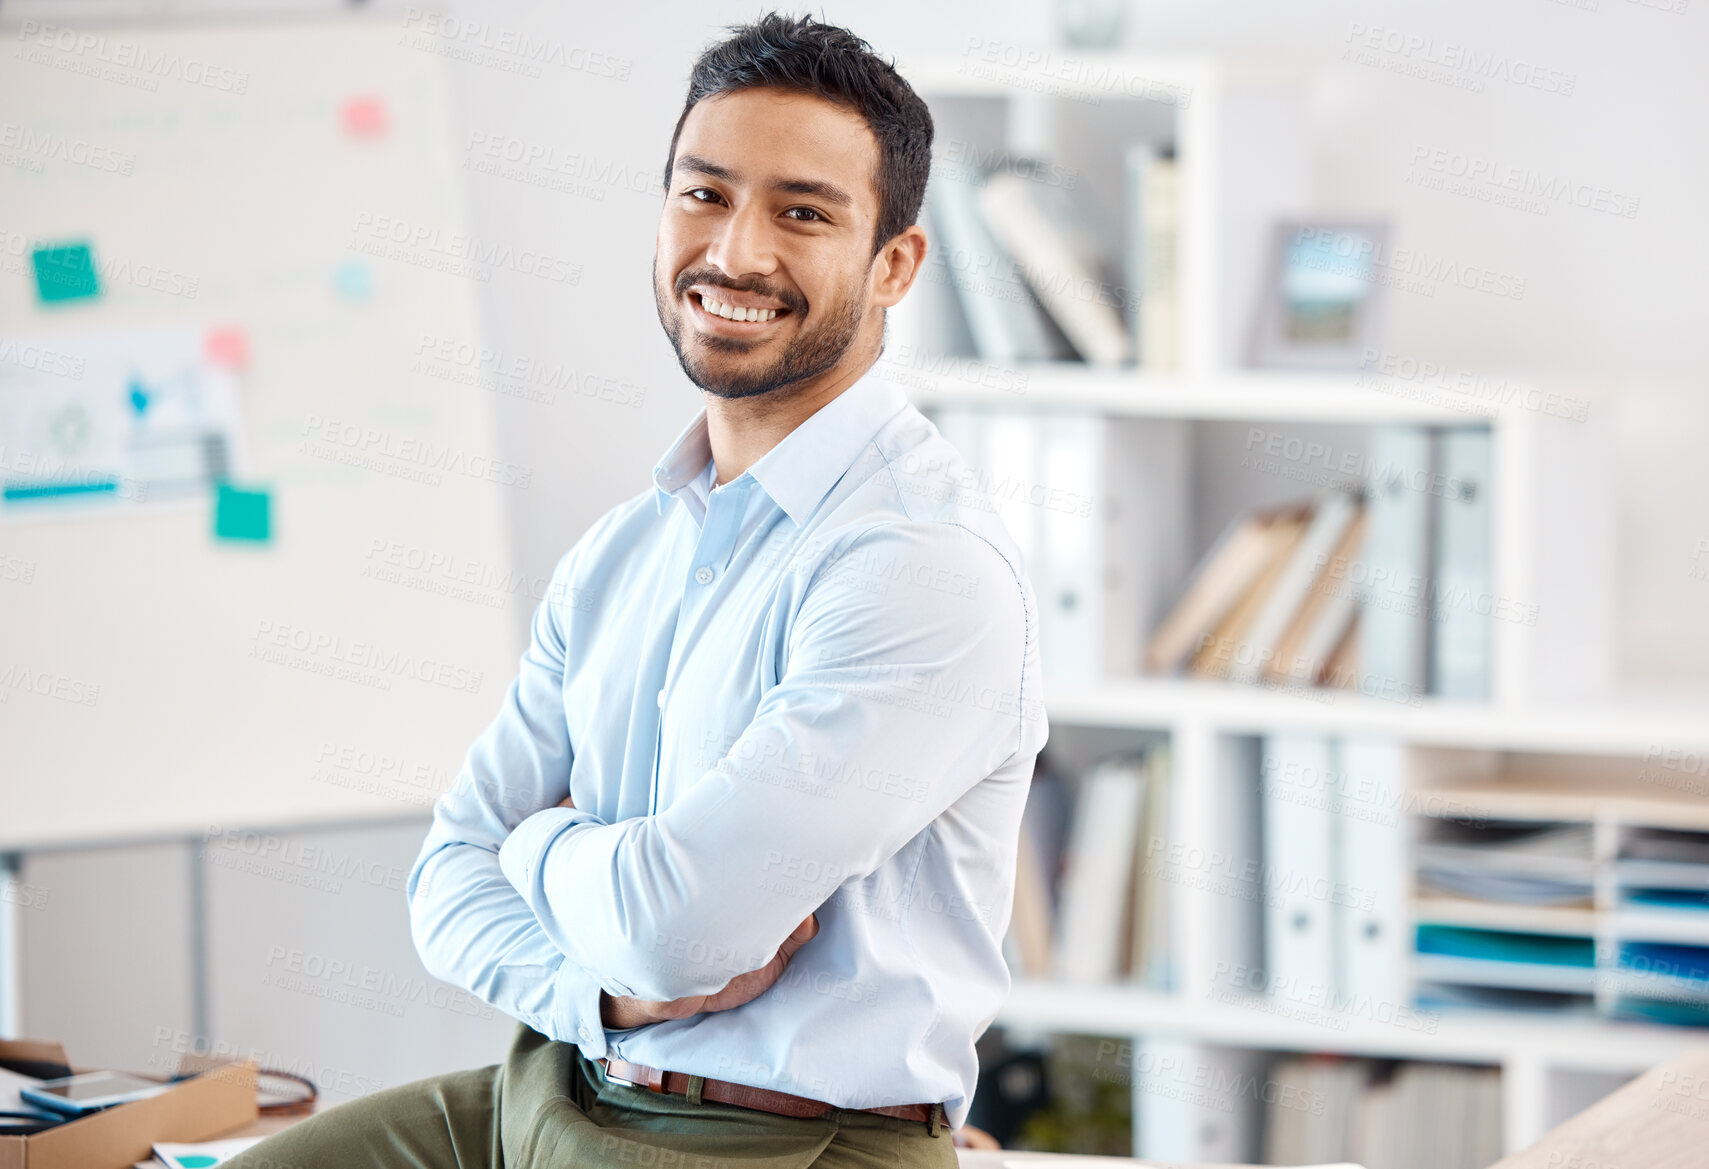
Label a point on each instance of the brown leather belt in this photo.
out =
(638, 1075)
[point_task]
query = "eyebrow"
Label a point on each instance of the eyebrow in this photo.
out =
(816, 188)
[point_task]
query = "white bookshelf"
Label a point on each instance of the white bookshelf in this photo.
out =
(1236, 133)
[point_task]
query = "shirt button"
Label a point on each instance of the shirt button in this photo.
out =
(703, 574)
(661, 700)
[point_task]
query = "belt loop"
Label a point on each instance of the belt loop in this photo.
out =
(695, 1083)
(937, 1118)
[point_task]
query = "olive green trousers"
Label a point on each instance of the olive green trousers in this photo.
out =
(547, 1107)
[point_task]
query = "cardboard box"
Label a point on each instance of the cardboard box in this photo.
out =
(214, 1102)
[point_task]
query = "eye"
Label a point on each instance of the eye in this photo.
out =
(697, 193)
(806, 211)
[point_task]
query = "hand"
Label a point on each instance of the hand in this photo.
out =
(624, 1011)
(968, 1137)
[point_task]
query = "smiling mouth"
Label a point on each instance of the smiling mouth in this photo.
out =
(733, 317)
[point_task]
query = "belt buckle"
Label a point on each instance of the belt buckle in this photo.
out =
(614, 1078)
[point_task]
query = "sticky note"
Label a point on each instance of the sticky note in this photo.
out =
(352, 279)
(365, 116)
(65, 272)
(228, 345)
(242, 513)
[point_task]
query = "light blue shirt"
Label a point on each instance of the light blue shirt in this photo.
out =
(813, 688)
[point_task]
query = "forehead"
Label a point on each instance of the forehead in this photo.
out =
(772, 137)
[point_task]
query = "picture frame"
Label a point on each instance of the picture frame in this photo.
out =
(1321, 297)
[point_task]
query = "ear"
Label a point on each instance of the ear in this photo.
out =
(897, 264)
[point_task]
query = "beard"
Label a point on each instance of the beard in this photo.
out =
(813, 350)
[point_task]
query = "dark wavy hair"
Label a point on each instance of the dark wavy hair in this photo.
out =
(803, 55)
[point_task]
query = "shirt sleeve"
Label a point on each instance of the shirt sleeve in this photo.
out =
(470, 926)
(910, 674)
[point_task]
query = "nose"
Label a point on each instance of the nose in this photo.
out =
(743, 244)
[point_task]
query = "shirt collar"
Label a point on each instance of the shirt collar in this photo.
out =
(798, 472)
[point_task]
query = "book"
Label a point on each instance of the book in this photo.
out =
(1148, 943)
(1097, 870)
(1159, 290)
(1003, 317)
(1218, 649)
(1225, 574)
(1055, 239)
(1330, 519)
(1322, 620)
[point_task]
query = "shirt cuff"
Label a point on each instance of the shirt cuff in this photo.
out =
(524, 850)
(575, 1010)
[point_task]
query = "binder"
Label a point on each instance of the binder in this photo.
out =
(1195, 1102)
(1373, 936)
(1069, 576)
(1394, 622)
(1299, 865)
(1463, 597)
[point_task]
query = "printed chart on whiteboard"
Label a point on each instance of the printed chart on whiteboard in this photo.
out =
(101, 421)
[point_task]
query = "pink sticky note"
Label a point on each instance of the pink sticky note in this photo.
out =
(365, 116)
(228, 345)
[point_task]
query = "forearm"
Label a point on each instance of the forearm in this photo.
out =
(473, 931)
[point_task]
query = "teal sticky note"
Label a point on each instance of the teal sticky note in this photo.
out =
(65, 272)
(353, 280)
(242, 514)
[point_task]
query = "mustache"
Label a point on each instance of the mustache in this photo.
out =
(789, 297)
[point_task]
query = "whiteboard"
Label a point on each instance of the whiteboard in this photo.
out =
(233, 181)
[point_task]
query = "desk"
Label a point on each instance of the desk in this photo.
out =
(1658, 1121)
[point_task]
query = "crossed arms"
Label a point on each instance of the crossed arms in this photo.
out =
(542, 909)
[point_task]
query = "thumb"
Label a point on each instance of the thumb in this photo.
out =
(800, 935)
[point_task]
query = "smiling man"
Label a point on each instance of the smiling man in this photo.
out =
(738, 849)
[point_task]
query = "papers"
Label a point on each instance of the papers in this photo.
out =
(116, 420)
(201, 1155)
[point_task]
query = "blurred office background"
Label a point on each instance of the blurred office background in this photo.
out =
(373, 286)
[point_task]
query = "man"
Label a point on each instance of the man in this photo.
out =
(738, 850)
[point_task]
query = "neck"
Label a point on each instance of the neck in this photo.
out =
(741, 430)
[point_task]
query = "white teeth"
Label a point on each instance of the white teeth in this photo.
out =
(732, 312)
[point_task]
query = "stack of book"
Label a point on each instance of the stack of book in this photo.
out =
(1410, 1116)
(1271, 601)
(1089, 906)
(1033, 269)
(1387, 591)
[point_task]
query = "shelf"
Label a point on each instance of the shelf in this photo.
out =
(1546, 797)
(1343, 397)
(1159, 703)
(1000, 69)
(1493, 915)
(1470, 1036)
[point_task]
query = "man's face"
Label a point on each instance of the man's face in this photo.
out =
(770, 213)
